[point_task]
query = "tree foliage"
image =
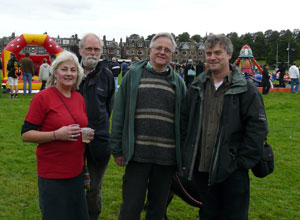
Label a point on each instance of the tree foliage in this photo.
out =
(196, 38)
(272, 46)
(150, 37)
(184, 37)
(134, 36)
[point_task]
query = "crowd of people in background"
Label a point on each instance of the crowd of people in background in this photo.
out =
(25, 70)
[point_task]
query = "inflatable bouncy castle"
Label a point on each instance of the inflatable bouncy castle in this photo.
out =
(16, 45)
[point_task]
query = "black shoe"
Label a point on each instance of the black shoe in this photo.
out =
(11, 96)
(16, 96)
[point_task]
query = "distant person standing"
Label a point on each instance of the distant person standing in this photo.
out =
(189, 73)
(265, 80)
(281, 70)
(28, 70)
(115, 69)
(294, 75)
(12, 64)
(199, 67)
(52, 58)
(44, 73)
(124, 68)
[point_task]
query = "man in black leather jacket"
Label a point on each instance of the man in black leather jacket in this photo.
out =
(97, 88)
(223, 128)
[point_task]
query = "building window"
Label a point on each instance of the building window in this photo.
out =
(66, 42)
(140, 53)
(184, 53)
(140, 45)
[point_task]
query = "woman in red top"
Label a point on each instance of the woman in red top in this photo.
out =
(53, 121)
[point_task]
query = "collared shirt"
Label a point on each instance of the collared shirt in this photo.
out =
(150, 67)
(212, 110)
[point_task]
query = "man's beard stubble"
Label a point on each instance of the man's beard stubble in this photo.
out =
(90, 61)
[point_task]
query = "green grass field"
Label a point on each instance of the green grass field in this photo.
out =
(275, 197)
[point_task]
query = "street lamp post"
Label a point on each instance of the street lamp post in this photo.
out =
(288, 49)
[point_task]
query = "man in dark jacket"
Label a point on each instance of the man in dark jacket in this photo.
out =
(97, 88)
(223, 128)
(28, 71)
(115, 69)
(12, 65)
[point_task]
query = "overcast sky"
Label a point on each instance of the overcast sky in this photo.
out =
(121, 18)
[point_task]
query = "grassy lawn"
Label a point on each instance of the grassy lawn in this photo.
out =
(273, 198)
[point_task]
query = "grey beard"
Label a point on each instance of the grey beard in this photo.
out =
(90, 63)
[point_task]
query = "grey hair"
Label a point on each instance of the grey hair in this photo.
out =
(225, 42)
(166, 35)
(62, 57)
(82, 41)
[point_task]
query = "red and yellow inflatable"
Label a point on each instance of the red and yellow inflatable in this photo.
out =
(16, 45)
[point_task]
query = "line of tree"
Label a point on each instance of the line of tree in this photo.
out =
(272, 46)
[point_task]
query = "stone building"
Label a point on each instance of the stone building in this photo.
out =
(111, 49)
(135, 48)
(5, 40)
(189, 50)
(132, 48)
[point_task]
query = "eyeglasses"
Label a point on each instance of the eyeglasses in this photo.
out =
(165, 49)
(90, 49)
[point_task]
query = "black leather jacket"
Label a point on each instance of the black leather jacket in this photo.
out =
(241, 133)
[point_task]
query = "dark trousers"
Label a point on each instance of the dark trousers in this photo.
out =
(97, 170)
(137, 179)
(228, 200)
(43, 85)
(189, 80)
(62, 199)
(281, 80)
(266, 88)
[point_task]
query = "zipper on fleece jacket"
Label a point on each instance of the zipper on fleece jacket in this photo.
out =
(197, 139)
(214, 159)
(129, 110)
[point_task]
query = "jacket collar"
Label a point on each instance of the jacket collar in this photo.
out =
(136, 68)
(238, 84)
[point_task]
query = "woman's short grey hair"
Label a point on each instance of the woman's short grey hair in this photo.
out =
(225, 42)
(166, 35)
(82, 41)
(62, 57)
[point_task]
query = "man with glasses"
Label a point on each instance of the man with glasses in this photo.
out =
(145, 130)
(97, 88)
